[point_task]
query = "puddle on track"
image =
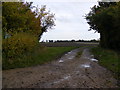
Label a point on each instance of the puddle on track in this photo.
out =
(70, 52)
(85, 65)
(61, 61)
(71, 57)
(64, 78)
(92, 59)
(68, 56)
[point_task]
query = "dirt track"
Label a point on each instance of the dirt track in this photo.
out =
(67, 72)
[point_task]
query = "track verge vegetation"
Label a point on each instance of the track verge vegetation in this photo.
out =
(109, 59)
(39, 55)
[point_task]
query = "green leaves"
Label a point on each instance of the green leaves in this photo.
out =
(105, 19)
(46, 19)
(22, 27)
(18, 17)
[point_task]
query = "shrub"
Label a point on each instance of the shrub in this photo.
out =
(18, 44)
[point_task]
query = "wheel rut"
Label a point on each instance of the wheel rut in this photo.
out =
(68, 71)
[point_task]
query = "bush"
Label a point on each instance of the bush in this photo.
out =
(18, 44)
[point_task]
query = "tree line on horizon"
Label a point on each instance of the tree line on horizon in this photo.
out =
(71, 41)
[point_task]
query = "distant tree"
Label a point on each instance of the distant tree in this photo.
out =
(50, 40)
(72, 40)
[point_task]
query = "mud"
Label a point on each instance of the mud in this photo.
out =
(68, 71)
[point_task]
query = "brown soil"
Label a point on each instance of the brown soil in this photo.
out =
(67, 72)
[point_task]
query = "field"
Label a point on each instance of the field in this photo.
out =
(45, 53)
(69, 44)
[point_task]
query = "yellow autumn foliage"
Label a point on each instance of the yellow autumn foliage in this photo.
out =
(18, 44)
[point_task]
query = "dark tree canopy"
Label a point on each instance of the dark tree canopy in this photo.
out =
(105, 19)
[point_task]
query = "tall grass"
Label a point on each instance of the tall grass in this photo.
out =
(38, 56)
(109, 59)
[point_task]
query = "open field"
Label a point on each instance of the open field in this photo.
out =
(69, 44)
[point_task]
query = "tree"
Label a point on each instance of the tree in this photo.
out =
(22, 27)
(47, 19)
(18, 17)
(104, 19)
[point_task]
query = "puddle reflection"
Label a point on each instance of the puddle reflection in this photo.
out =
(60, 61)
(71, 57)
(85, 65)
(94, 59)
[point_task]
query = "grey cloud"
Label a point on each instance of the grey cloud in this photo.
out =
(70, 23)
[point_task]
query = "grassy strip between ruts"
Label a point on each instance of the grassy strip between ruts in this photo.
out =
(109, 59)
(79, 54)
(39, 56)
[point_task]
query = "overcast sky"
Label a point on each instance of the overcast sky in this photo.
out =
(70, 22)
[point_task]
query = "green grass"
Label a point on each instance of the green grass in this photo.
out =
(79, 54)
(109, 59)
(39, 56)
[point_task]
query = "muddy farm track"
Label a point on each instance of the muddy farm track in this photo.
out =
(68, 71)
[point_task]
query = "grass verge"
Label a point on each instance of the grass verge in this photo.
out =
(40, 55)
(109, 59)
